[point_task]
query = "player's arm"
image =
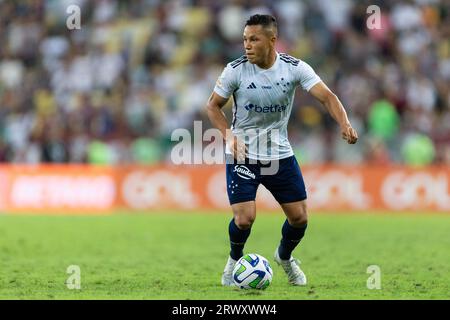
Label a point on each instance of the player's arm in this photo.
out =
(331, 102)
(215, 113)
(219, 121)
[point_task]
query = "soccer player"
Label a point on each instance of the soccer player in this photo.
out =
(262, 83)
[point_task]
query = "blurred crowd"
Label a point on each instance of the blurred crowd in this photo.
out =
(113, 91)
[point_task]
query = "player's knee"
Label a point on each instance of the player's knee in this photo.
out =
(300, 219)
(244, 222)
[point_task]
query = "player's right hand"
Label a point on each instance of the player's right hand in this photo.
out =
(237, 147)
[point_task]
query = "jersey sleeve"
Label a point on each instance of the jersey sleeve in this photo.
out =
(306, 76)
(227, 82)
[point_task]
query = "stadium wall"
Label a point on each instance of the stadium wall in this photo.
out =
(64, 189)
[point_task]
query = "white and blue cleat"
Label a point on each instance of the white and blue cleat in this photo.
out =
(291, 267)
(227, 275)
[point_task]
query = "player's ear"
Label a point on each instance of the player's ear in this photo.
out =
(273, 40)
(273, 37)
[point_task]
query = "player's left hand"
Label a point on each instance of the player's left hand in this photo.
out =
(349, 134)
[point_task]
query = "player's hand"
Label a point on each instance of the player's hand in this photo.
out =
(237, 147)
(349, 134)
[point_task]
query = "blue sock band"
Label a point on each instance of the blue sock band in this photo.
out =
(291, 237)
(238, 238)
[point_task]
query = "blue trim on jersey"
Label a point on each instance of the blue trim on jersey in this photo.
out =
(289, 59)
(237, 65)
(239, 61)
(295, 64)
(285, 55)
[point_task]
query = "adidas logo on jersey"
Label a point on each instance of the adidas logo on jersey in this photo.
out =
(251, 86)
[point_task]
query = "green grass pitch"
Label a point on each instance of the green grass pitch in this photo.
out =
(180, 255)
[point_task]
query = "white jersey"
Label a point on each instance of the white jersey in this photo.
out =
(263, 101)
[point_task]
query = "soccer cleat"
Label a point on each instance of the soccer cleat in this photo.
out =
(227, 275)
(292, 269)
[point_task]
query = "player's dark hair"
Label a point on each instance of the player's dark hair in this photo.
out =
(265, 20)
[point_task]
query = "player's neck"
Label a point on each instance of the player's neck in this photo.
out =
(269, 61)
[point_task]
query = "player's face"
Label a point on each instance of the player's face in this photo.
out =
(258, 43)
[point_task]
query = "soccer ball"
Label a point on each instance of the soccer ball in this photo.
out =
(252, 271)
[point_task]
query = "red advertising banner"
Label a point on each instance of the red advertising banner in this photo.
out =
(58, 188)
(91, 189)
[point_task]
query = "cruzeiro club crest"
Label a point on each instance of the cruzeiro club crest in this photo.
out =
(244, 172)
